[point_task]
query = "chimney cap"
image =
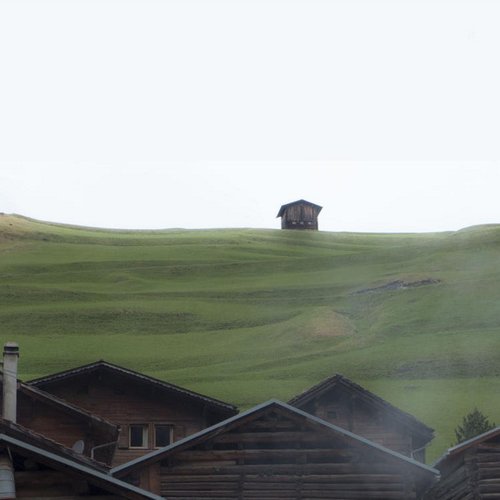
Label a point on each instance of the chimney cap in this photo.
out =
(11, 348)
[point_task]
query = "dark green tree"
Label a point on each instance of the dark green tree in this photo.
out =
(473, 424)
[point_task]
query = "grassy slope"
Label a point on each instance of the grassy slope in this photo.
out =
(245, 315)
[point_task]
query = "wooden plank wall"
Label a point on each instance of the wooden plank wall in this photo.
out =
(126, 403)
(275, 458)
(296, 214)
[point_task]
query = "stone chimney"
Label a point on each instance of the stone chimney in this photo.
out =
(10, 358)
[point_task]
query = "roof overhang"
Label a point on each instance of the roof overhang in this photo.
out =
(319, 424)
(298, 202)
(214, 404)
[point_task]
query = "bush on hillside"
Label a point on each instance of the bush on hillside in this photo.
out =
(473, 424)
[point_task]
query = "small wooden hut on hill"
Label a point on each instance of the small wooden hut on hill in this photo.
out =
(300, 214)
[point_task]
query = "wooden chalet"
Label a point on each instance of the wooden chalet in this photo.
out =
(340, 401)
(470, 470)
(150, 412)
(34, 467)
(300, 214)
(276, 451)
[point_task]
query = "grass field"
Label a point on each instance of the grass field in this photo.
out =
(246, 314)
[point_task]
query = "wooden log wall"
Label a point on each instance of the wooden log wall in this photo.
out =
(475, 474)
(276, 458)
(486, 470)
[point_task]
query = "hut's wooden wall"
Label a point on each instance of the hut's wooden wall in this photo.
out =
(300, 216)
(127, 402)
(278, 458)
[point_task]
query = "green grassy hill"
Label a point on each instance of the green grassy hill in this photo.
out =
(245, 314)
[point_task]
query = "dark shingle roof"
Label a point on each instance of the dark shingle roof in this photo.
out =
(225, 408)
(338, 380)
(298, 202)
(231, 422)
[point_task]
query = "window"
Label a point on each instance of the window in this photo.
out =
(138, 436)
(163, 435)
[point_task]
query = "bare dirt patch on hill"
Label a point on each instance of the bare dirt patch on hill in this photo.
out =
(398, 285)
(329, 323)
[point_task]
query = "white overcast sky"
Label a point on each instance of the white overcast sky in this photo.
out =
(160, 113)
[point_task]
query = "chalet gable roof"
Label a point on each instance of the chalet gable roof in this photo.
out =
(338, 380)
(283, 208)
(253, 413)
(29, 445)
(126, 373)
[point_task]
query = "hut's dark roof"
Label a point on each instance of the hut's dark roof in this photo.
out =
(30, 444)
(466, 445)
(220, 406)
(298, 202)
(251, 414)
(339, 380)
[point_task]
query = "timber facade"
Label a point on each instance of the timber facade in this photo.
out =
(64, 422)
(341, 402)
(275, 451)
(300, 214)
(470, 470)
(150, 413)
(103, 431)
